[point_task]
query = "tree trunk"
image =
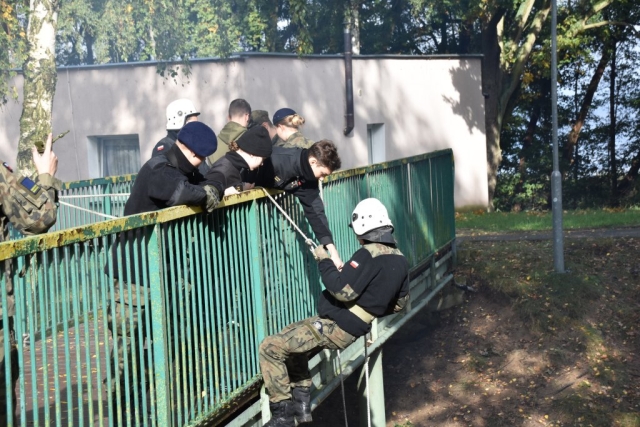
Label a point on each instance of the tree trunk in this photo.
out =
(527, 143)
(491, 89)
(39, 80)
(355, 27)
(612, 128)
(501, 80)
(88, 41)
(626, 184)
(271, 42)
(572, 139)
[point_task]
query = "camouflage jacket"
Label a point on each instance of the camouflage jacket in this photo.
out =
(295, 140)
(30, 207)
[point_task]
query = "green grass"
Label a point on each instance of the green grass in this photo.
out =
(534, 221)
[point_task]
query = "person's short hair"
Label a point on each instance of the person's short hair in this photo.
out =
(238, 107)
(326, 153)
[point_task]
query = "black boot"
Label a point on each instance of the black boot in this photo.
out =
(281, 414)
(302, 404)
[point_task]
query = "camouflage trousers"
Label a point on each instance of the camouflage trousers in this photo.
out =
(284, 357)
(10, 359)
(128, 314)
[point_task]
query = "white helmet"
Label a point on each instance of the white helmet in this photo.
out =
(178, 111)
(368, 215)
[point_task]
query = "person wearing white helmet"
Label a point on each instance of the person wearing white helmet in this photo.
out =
(179, 113)
(373, 283)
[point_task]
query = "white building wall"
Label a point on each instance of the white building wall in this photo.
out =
(425, 104)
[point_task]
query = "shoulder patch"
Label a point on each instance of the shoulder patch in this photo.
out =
(30, 185)
(6, 165)
(160, 148)
(354, 264)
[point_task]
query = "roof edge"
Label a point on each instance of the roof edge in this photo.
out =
(241, 56)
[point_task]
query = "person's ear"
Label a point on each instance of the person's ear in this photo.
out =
(313, 161)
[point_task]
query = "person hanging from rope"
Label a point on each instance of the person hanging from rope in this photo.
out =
(31, 207)
(247, 153)
(297, 171)
(373, 283)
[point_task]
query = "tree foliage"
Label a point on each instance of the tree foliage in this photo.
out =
(512, 35)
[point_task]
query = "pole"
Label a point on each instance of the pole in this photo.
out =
(373, 400)
(556, 178)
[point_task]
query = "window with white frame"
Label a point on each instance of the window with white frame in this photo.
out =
(114, 155)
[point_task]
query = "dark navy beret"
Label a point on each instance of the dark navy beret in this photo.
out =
(281, 114)
(199, 138)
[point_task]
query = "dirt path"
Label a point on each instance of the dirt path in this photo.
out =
(480, 364)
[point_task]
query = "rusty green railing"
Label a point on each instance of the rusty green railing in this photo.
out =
(214, 286)
(90, 201)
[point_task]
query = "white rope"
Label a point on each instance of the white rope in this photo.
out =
(312, 245)
(87, 210)
(86, 196)
(344, 400)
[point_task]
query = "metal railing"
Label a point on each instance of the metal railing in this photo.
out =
(212, 285)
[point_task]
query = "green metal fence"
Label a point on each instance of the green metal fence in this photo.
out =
(212, 285)
(90, 201)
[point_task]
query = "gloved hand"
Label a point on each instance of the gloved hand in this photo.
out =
(320, 253)
(213, 198)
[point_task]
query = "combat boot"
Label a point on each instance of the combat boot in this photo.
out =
(302, 404)
(282, 414)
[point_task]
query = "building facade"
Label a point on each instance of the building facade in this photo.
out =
(403, 105)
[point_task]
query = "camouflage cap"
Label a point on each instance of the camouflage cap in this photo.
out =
(260, 116)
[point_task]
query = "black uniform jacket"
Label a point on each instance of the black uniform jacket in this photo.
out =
(227, 172)
(165, 144)
(288, 169)
(164, 181)
(375, 278)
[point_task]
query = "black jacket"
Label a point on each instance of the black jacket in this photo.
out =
(165, 144)
(227, 172)
(288, 169)
(164, 181)
(376, 278)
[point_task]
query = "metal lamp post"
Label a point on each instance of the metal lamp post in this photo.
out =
(556, 178)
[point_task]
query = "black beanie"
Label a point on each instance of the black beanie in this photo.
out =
(199, 138)
(256, 141)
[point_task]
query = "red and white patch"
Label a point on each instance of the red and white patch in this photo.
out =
(354, 264)
(160, 148)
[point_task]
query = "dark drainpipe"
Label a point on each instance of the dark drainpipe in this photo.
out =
(348, 79)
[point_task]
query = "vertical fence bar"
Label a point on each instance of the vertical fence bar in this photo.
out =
(159, 322)
(257, 275)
